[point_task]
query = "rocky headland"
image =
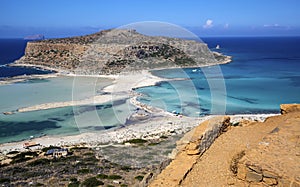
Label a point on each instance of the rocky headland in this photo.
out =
(114, 51)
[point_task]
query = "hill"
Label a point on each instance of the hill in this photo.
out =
(114, 51)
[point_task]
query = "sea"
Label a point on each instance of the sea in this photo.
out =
(263, 74)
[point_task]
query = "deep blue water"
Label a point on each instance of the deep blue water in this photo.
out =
(11, 50)
(263, 74)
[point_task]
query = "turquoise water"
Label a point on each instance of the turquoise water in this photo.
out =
(264, 73)
(66, 120)
(39, 91)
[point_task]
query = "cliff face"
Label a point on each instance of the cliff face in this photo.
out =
(113, 51)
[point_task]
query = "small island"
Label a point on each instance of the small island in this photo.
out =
(115, 51)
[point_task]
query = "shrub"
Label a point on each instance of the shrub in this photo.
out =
(102, 176)
(73, 179)
(126, 168)
(114, 177)
(91, 182)
(83, 171)
(136, 141)
(74, 182)
(139, 177)
(3, 180)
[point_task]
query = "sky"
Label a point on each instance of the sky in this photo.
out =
(61, 18)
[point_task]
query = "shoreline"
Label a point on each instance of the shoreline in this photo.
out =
(122, 83)
(161, 124)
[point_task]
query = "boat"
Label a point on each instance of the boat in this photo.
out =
(218, 47)
(194, 70)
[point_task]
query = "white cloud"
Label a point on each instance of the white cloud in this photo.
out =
(226, 26)
(208, 24)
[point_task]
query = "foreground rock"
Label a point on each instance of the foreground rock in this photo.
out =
(247, 154)
(200, 139)
(114, 51)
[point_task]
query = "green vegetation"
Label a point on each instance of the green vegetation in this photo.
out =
(102, 176)
(91, 182)
(126, 168)
(164, 137)
(74, 183)
(114, 177)
(124, 185)
(136, 141)
(4, 180)
(83, 171)
(139, 177)
(184, 61)
(111, 177)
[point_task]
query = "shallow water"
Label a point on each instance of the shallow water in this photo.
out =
(65, 120)
(39, 91)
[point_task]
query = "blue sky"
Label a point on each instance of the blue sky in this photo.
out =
(59, 18)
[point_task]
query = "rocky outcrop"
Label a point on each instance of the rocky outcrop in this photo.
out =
(246, 154)
(195, 143)
(213, 128)
(275, 160)
(114, 51)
